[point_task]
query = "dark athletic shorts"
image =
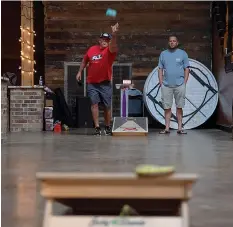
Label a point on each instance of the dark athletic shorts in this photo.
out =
(100, 93)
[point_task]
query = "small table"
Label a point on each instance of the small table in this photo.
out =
(70, 188)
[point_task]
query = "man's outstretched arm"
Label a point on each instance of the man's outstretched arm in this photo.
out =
(113, 42)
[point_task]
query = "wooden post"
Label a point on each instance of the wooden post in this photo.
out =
(27, 43)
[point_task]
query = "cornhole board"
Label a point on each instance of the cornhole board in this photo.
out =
(124, 125)
(130, 126)
(68, 188)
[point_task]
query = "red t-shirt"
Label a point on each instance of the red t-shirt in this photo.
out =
(100, 64)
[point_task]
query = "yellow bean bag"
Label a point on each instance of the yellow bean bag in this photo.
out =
(154, 170)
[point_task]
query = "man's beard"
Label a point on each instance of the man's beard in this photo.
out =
(172, 48)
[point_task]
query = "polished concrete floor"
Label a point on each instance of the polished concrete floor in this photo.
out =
(208, 153)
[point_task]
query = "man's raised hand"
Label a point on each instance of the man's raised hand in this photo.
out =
(115, 28)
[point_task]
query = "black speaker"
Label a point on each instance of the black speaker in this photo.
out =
(61, 109)
(83, 113)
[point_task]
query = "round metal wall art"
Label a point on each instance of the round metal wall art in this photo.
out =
(200, 102)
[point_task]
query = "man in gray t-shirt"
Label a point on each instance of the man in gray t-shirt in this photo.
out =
(173, 76)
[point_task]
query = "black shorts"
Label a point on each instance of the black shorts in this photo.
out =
(100, 93)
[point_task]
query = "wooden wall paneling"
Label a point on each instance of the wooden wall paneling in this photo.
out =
(72, 27)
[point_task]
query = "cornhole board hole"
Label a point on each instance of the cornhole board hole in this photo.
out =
(124, 125)
(96, 199)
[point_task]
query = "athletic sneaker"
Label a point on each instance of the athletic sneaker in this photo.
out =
(97, 131)
(108, 130)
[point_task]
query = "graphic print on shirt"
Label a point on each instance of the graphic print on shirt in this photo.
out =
(97, 57)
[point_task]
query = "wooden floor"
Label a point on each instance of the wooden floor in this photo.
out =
(209, 153)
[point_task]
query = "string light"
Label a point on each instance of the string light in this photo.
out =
(27, 30)
(27, 47)
(23, 71)
(27, 43)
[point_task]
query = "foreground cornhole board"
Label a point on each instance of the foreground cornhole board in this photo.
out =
(130, 126)
(71, 186)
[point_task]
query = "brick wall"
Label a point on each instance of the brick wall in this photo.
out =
(4, 110)
(26, 108)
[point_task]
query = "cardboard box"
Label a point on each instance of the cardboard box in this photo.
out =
(49, 103)
(48, 112)
(49, 124)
